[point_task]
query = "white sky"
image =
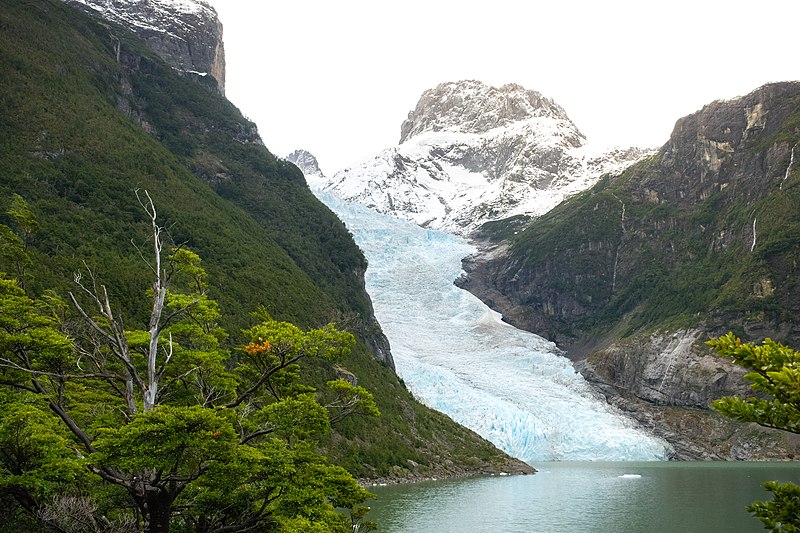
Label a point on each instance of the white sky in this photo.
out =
(337, 77)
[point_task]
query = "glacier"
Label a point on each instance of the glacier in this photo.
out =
(457, 356)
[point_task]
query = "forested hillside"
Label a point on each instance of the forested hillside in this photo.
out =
(89, 116)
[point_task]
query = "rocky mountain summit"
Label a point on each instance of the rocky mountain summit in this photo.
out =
(471, 153)
(187, 34)
(474, 107)
(308, 165)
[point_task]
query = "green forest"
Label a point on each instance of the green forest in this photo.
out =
(186, 340)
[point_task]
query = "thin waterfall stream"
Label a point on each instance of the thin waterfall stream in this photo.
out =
(456, 355)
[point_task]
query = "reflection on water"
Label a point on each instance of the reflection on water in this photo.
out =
(586, 497)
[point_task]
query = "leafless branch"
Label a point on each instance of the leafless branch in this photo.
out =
(264, 378)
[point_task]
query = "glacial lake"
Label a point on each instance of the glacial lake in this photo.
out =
(591, 497)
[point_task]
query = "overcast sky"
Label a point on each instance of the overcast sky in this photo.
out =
(338, 77)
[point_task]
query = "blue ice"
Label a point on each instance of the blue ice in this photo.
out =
(457, 356)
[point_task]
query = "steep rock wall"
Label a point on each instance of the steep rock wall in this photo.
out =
(187, 34)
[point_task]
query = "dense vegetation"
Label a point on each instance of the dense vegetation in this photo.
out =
(774, 373)
(84, 127)
(106, 428)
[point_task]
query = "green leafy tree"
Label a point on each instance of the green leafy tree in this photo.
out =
(775, 375)
(14, 245)
(185, 436)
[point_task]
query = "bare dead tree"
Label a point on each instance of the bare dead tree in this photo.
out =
(110, 327)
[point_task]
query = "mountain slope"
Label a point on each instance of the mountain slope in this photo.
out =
(707, 224)
(89, 114)
(470, 153)
(637, 271)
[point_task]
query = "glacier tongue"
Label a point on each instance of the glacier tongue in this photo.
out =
(457, 356)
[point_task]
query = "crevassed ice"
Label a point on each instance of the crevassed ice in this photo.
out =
(457, 356)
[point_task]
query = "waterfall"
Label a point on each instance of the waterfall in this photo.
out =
(457, 356)
(788, 169)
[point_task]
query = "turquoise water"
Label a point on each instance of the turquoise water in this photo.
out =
(586, 497)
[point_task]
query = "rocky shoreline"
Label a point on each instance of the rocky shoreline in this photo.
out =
(523, 469)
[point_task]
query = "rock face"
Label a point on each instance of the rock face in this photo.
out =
(672, 369)
(187, 34)
(704, 234)
(474, 107)
(666, 382)
(308, 165)
(470, 153)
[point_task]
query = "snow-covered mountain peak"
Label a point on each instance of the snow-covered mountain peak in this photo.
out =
(474, 107)
(471, 153)
(309, 166)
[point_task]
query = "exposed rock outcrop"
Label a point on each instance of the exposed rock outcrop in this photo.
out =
(187, 34)
(308, 165)
(667, 369)
(667, 381)
(473, 107)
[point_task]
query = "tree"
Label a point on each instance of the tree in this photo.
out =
(181, 434)
(14, 246)
(775, 375)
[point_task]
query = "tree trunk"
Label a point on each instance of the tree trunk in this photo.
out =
(158, 511)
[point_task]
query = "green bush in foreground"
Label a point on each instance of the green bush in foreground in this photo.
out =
(774, 372)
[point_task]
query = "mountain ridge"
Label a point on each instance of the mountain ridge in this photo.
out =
(471, 153)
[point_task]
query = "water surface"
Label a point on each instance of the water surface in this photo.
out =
(586, 497)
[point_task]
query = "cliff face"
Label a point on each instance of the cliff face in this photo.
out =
(707, 224)
(187, 34)
(633, 274)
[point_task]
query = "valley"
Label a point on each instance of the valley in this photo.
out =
(258, 343)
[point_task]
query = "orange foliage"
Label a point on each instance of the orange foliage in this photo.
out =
(257, 347)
